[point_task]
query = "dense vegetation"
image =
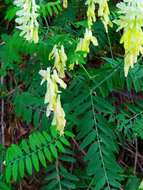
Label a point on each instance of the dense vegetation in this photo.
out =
(87, 134)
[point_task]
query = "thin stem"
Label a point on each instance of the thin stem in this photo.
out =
(87, 73)
(136, 156)
(99, 145)
(2, 123)
(58, 175)
(106, 78)
(110, 46)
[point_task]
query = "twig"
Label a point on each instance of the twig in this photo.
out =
(58, 175)
(136, 156)
(76, 143)
(99, 145)
(2, 123)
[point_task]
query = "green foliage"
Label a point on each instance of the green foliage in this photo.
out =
(104, 110)
(95, 135)
(4, 186)
(59, 177)
(33, 152)
(50, 8)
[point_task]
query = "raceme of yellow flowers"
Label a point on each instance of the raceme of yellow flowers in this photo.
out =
(103, 12)
(88, 38)
(54, 81)
(27, 19)
(131, 21)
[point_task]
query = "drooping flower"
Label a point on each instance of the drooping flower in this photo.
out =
(60, 58)
(91, 17)
(84, 43)
(103, 12)
(52, 97)
(52, 90)
(27, 19)
(131, 21)
(59, 117)
(65, 3)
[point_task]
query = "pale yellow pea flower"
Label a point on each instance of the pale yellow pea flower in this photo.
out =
(60, 58)
(27, 19)
(51, 92)
(91, 17)
(104, 13)
(59, 117)
(84, 43)
(65, 3)
(52, 97)
(131, 21)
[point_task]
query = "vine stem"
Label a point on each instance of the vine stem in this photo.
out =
(58, 175)
(99, 145)
(136, 156)
(110, 46)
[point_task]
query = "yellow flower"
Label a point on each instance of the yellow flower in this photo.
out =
(52, 90)
(90, 12)
(59, 117)
(27, 19)
(59, 81)
(60, 60)
(65, 3)
(84, 45)
(104, 13)
(133, 44)
(131, 21)
(35, 36)
(45, 74)
(85, 42)
(52, 97)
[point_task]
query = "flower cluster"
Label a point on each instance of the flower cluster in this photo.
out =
(91, 17)
(131, 21)
(60, 58)
(27, 19)
(103, 12)
(52, 98)
(54, 81)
